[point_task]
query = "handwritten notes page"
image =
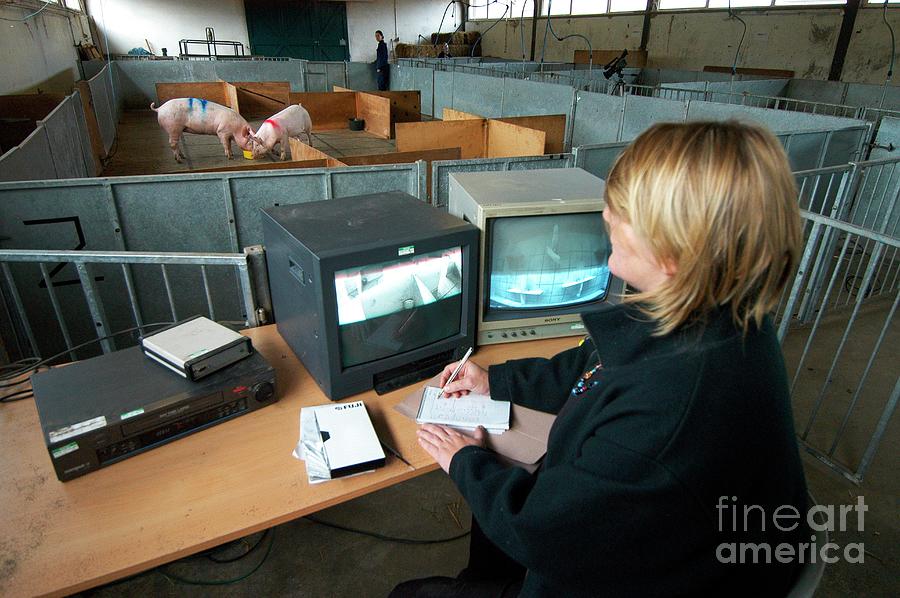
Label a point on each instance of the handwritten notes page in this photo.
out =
(466, 412)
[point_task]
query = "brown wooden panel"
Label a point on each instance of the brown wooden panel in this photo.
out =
(214, 91)
(451, 114)
(467, 135)
(776, 73)
(339, 89)
(33, 106)
(302, 151)
(326, 109)
(376, 112)
(635, 58)
(505, 140)
(554, 125)
(87, 102)
(231, 97)
(406, 106)
(263, 98)
(266, 165)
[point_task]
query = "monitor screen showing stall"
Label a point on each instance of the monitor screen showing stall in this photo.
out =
(391, 307)
(547, 261)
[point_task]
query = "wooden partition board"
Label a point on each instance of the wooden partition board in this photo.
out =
(214, 91)
(339, 89)
(505, 140)
(553, 125)
(33, 106)
(447, 153)
(262, 98)
(302, 152)
(90, 116)
(451, 114)
(467, 135)
(376, 112)
(231, 95)
(775, 73)
(264, 165)
(406, 106)
(635, 58)
(326, 109)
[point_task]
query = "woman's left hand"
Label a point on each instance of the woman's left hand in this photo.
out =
(442, 443)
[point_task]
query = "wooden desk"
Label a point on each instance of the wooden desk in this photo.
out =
(212, 487)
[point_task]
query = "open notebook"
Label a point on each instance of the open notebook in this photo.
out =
(467, 412)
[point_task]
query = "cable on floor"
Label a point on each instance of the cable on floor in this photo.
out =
(383, 537)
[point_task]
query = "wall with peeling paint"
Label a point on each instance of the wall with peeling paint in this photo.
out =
(803, 41)
(39, 53)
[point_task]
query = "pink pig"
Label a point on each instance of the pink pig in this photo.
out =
(204, 118)
(290, 122)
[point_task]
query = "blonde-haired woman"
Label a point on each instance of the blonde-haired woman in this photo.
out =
(673, 416)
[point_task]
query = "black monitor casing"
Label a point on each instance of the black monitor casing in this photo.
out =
(307, 243)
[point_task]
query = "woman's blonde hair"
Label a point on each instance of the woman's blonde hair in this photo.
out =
(718, 201)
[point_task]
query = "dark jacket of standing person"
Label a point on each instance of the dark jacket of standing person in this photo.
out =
(382, 69)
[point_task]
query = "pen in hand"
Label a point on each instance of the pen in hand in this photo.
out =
(458, 369)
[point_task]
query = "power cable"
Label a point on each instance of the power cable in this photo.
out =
(549, 27)
(223, 582)
(378, 536)
(890, 72)
(34, 14)
(481, 37)
(733, 15)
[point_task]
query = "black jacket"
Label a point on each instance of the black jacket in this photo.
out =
(625, 501)
(381, 56)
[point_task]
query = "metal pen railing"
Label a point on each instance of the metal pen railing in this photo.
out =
(831, 400)
(85, 263)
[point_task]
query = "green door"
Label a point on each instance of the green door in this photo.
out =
(308, 29)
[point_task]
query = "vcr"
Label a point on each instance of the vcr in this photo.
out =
(99, 411)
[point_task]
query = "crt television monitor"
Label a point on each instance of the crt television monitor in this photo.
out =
(544, 250)
(374, 291)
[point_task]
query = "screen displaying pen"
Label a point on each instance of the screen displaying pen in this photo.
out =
(459, 367)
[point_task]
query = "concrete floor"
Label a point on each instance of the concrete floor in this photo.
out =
(142, 147)
(308, 559)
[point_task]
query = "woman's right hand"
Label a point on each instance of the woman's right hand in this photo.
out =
(471, 378)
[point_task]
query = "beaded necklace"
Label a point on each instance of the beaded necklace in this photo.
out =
(585, 383)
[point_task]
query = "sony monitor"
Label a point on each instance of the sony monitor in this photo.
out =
(373, 291)
(544, 250)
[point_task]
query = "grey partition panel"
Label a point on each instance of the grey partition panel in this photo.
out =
(104, 108)
(84, 136)
(30, 160)
(443, 93)
(805, 149)
(861, 94)
(808, 90)
(92, 67)
(888, 137)
(597, 118)
(598, 159)
(362, 76)
(184, 212)
(776, 120)
(524, 98)
(846, 145)
(323, 76)
(478, 94)
(66, 144)
(641, 112)
(291, 71)
(402, 77)
(764, 87)
(138, 78)
(423, 80)
(441, 169)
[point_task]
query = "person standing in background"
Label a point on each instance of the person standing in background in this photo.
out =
(382, 74)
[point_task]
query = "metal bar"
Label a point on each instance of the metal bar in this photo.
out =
(209, 301)
(808, 252)
(165, 275)
(880, 429)
(843, 42)
(865, 375)
(95, 305)
(809, 341)
(132, 297)
(20, 307)
(243, 274)
(57, 309)
(119, 257)
(837, 354)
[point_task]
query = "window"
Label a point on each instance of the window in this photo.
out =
(72, 4)
(738, 3)
(630, 5)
